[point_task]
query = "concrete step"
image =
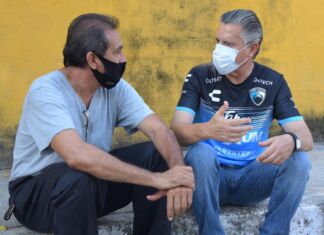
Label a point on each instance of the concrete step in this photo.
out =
(309, 218)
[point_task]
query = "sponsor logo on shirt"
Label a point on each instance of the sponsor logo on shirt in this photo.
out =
(213, 80)
(253, 136)
(292, 100)
(250, 137)
(213, 97)
(233, 153)
(187, 77)
(231, 115)
(263, 82)
(257, 95)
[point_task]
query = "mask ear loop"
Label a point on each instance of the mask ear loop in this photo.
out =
(246, 59)
(244, 47)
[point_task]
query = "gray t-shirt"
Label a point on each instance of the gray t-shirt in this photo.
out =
(52, 105)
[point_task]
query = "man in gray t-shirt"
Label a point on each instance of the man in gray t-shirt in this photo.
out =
(64, 173)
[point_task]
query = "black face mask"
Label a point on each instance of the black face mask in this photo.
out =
(112, 75)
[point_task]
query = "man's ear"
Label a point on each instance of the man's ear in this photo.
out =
(254, 49)
(92, 60)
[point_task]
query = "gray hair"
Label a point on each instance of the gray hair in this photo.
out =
(250, 23)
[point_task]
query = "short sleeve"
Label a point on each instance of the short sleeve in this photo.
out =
(131, 108)
(191, 93)
(47, 115)
(285, 110)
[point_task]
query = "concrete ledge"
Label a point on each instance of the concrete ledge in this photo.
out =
(309, 218)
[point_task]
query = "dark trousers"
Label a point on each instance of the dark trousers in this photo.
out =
(67, 201)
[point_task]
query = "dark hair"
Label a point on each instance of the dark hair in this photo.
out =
(87, 33)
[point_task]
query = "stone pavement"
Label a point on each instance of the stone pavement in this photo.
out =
(309, 218)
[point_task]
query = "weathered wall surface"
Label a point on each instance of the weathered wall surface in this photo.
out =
(163, 40)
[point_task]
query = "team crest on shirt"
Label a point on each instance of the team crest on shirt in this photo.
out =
(257, 95)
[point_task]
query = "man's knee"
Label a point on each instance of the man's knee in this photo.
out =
(298, 166)
(302, 164)
(73, 184)
(200, 152)
(201, 157)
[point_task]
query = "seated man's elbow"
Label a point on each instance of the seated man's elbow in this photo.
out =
(310, 145)
(73, 159)
(176, 132)
(182, 141)
(175, 129)
(307, 143)
(72, 163)
(171, 133)
(172, 126)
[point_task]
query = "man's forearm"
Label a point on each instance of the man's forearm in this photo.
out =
(92, 160)
(105, 166)
(306, 138)
(301, 129)
(167, 145)
(188, 134)
(163, 139)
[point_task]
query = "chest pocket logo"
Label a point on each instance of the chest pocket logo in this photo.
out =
(257, 95)
(213, 93)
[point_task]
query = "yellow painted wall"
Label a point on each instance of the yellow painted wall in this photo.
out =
(163, 39)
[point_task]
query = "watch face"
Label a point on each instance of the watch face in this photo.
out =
(298, 144)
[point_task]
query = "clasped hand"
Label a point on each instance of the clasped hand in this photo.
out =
(177, 184)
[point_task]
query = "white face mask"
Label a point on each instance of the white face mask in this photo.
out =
(224, 58)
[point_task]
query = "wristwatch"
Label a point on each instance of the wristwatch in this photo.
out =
(296, 138)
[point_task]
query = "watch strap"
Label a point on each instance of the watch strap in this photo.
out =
(295, 137)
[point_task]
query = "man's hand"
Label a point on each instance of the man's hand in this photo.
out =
(227, 130)
(179, 199)
(278, 149)
(177, 184)
(174, 177)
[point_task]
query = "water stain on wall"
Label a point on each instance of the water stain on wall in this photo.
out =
(7, 138)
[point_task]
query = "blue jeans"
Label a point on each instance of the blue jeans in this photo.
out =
(215, 185)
